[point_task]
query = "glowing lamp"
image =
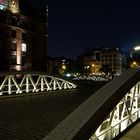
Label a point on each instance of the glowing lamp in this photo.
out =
(93, 65)
(137, 48)
(64, 67)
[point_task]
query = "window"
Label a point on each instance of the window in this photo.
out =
(13, 4)
(13, 60)
(14, 21)
(13, 34)
(23, 60)
(13, 46)
(23, 36)
(23, 45)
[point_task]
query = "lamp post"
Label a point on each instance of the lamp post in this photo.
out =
(93, 68)
(135, 57)
(134, 64)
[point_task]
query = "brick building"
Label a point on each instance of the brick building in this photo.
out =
(23, 36)
(93, 59)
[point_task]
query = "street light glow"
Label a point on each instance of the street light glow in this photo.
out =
(64, 67)
(137, 48)
(93, 65)
(134, 63)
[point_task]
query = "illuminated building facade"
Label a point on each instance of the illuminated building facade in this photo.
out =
(114, 58)
(94, 59)
(23, 38)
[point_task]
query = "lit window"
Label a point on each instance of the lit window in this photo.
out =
(13, 7)
(13, 45)
(13, 4)
(23, 45)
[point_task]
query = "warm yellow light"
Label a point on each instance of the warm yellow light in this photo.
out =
(13, 4)
(93, 65)
(64, 67)
(14, 7)
(18, 67)
(134, 63)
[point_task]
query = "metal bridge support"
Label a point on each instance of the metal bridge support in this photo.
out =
(31, 82)
(124, 114)
(106, 113)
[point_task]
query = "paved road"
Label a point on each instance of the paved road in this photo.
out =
(32, 117)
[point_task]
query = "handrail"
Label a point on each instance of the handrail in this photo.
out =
(31, 82)
(109, 130)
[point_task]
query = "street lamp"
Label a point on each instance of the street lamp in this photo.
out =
(93, 66)
(63, 67)
(134, 64)
(137, 48)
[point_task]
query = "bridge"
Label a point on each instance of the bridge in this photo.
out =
(31, 82)
(103, 114)
(106, 114)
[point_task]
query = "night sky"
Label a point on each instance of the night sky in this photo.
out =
(78, 24)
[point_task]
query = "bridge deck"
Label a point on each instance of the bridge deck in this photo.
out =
(32, 117)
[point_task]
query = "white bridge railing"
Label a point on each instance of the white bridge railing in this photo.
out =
(28, 83)
(106, 113)
(123, 115)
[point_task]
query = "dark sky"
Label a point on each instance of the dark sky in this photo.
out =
(35, 3)
(78, 24)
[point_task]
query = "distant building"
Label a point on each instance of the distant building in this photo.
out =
(59, 65)
(114, 58)
(23, 37)
(94, 59)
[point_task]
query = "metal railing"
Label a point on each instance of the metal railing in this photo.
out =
(122, 116)
(18, 83)
(106, 113)
(114, 131)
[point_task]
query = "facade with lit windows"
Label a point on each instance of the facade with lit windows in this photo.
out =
(95, 58)
(23, 38)
(114, 58)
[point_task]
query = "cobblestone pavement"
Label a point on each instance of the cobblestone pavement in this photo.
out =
(32, 117)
